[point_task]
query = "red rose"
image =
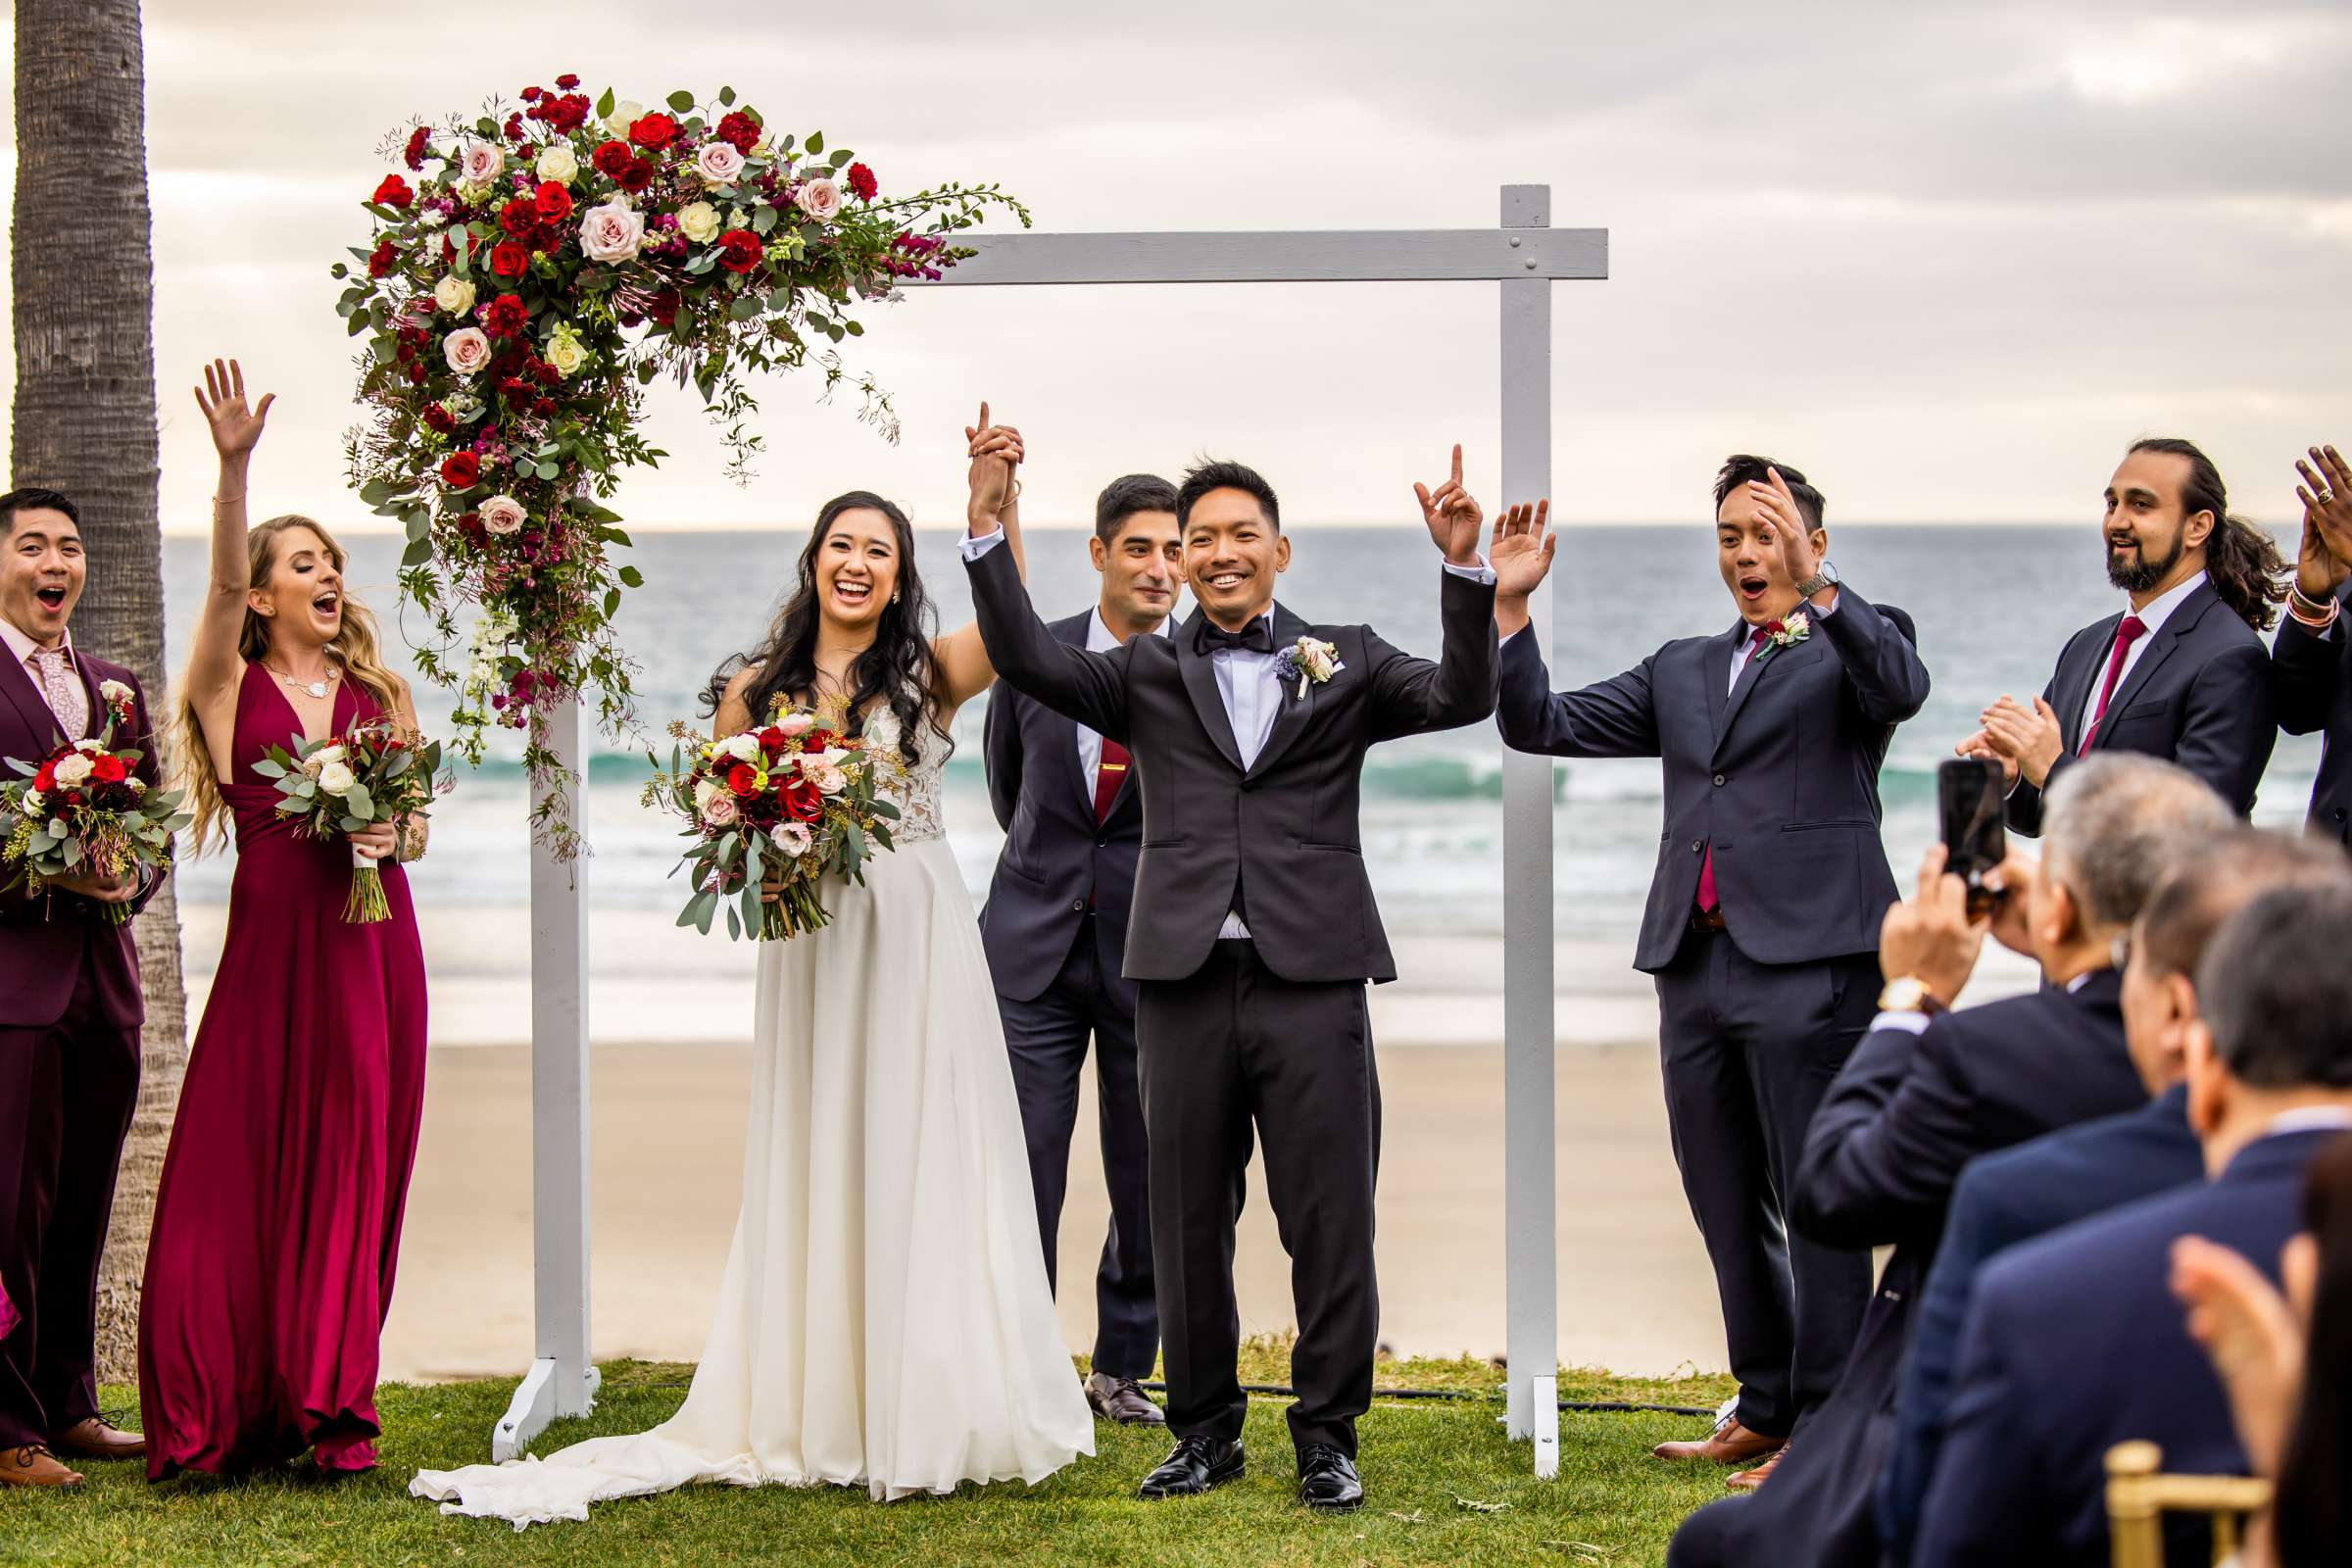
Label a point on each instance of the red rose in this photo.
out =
(739, 250)
(1776, 627)
(638, 175)
(803, 800)
(382, 258)
(609, 159)
(419, 141)
(107, 769)
(505, 315)
(510, 260)
(461, 471)
(517, 216)
(862, 182)
(772, 741)
(739, 131)
(652, 133)
(45, 779)
(553, 202)
(743, 779)
(393, 192)
(530, 95)
(417, 373)
(439, 419)
(567, 82)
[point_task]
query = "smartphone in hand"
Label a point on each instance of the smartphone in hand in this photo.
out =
(1972, 803)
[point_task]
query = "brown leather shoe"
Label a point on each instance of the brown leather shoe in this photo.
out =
(1751, 1480)
(34, 1466)
(1123, 1400)
(1729, 1444)
(99, 1439)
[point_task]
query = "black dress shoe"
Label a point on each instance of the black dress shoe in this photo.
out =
(1327, 1481)
(1197, 1464)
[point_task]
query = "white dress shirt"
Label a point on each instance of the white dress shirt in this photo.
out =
(1100, 639)
(2160, 609)
(1246, 685)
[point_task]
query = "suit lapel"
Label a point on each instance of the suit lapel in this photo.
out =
(1292, 710)
(1715, 668)
(2075, 685)
(94, 725)
(1064, 731)
(2178, 624)
(1200, 684)
(29, 700)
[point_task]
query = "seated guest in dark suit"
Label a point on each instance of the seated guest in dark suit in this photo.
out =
(1055, 929)
(1763, 917)
(2311, 663)
(1928, 1090)
(2074, 1343)
(2181, 674)
(2036, 1188)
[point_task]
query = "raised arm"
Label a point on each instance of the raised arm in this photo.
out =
(214, 666)
(992, 505)
(2308, 658)
(1614, 718)
(1882, 666)
(1412, 695)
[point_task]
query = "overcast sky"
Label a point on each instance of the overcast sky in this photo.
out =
(1948, 259)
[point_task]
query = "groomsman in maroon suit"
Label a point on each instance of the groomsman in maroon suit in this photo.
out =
(70, 1015)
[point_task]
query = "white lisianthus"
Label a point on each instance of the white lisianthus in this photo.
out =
(336, 778)
(744, 748)
(612, 231)
(698, 222)
(72, 770)
(454, 294)
(91, 748)
(793, 838)
(625, 114)
(558, 164)
(820, 199)
(482, 161)
(468, 350)
(565, 351)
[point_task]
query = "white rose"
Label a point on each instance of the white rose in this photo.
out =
(743, 748)
(30, 805)
(704, 789)
(564, 352)
(481, 162)
(502, 515)
(113, 691)
(336, 779)
(624, 115)
(698, 220)
(454, 294)
(612, 232)
(820, 199)
(718, 162)
(793, 838)
(558, 164)
(72, 769)
(468, 349)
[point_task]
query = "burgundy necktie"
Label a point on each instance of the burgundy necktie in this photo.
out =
(1707, 897)
(2127, 633)
(1110, 773)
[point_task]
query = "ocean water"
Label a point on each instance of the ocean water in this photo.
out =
(1993, 604)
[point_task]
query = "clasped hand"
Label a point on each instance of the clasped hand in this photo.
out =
(2026, 741)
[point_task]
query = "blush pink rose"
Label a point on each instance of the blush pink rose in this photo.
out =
(502, 513)
(719, 809)
(795, 725)
(718, 162)
(468, 350)
(793, 838)
(612, 232)
(820, 199)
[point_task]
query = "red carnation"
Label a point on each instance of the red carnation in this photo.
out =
(382, 258)
(504, 316)
(739, 250)
(530, 95)
(517, 216)
(514, 127)
(439, 419)
(739, 131)
(567, 82)
(1776, 627)
(665, 307)
(544, 408)
(803, 800)
(638, 175)
(652, 133)
(743, 779)
(553, 202)
(461, 471)
(393, 192)
(510, 260)
(566, 114)
(610, 158)
(862, 182)
(417, 373)
(420, 140)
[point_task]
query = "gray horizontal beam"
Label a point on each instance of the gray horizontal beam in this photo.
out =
(1334, 255)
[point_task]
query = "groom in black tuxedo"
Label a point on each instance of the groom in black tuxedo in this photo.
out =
(1253, 931)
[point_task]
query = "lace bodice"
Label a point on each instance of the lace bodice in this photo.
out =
(919, 815)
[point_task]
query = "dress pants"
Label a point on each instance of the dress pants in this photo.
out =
(1749, 1049)
(66, 1093)
(1230, 1049)
(1046, 1039)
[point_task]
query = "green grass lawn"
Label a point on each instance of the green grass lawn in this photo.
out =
(1443, 1488)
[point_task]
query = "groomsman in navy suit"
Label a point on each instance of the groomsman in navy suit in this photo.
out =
(70, 1015)
(1762, 929)
(1056, 930)
(2180, 673)
(2311, 663)
(2075, 1340)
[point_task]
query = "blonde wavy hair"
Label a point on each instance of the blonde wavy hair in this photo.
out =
(354, 647)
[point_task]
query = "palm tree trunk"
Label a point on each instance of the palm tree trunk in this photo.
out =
(84, 423)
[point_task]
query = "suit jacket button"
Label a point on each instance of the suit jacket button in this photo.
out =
(1101, 844)
(1719, 781)
(1078, 905)
(1697, 844)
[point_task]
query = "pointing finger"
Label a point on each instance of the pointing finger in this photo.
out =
(1457, 463)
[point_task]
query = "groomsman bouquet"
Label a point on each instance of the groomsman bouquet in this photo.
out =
(797, 798)
(347, 783)
(80, 810)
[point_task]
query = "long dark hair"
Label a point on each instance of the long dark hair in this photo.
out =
(2243, 561)
(2308, 1515)
(898, 667)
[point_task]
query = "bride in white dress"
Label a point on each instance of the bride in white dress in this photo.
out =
(884, 1320)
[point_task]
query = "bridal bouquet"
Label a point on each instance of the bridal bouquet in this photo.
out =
(371, 773)
(79, 810)
(797, 798)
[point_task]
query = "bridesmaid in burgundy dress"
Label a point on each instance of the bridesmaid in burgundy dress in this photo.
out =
(277, 1220)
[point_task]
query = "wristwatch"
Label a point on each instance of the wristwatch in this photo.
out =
(1910, 993)
(1826, 576)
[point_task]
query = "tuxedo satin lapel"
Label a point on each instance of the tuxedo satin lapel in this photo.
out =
(29, 704)
(1064, 731)
(1291, 716)
(1200, 684)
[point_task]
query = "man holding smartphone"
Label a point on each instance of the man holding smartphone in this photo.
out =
(1762, 929)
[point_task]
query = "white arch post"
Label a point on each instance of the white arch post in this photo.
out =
(1526, 255)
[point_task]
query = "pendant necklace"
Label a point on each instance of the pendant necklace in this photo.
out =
(314, 688)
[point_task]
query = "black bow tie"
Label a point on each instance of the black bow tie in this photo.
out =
(1256, 636)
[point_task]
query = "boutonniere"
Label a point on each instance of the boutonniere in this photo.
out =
(1311, 661)
(1785, 633)
(118, 700)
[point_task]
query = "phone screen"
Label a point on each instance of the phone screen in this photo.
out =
(1973, 805)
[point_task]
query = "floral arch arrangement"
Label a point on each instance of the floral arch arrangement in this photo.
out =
(519, 296)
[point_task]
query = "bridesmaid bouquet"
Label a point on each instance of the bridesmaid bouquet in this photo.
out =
(371, 773)
(798, 797)
(80, 810)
